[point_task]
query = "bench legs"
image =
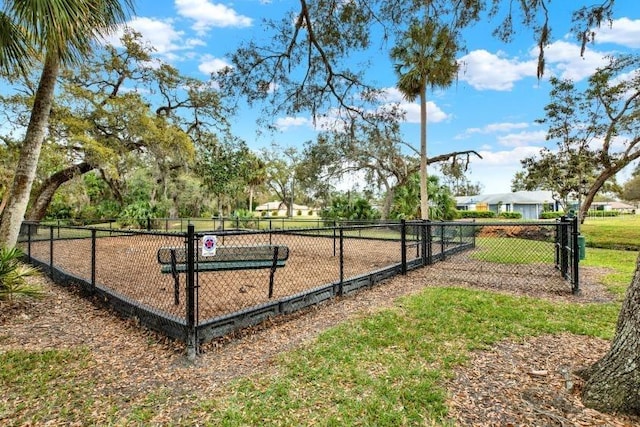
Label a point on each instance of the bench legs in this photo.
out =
(274, 266)
(176, 277)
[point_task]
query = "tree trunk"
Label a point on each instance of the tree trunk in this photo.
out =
(50, 186)
(3, 202)
(29, 154)
(613, 383)
(388, 200)
(424, 179)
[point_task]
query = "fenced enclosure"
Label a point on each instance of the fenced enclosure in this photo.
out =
(196, 286)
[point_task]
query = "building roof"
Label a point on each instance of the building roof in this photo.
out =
(518, 197)
(614, 205)
(271, 206)
(279, 206)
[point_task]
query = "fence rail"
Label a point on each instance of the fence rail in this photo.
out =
(204, 298)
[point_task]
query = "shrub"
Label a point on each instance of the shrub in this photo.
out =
(477, 214)
(510, 215)
(13, 274)
(136, 214)
(602, 214)
(551, 215)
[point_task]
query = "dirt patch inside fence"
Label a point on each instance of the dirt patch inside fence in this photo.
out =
(531, 232)
(128, 266)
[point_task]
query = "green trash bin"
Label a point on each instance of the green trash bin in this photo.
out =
(582, 247)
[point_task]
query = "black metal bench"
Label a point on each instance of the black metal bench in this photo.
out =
(251, 257)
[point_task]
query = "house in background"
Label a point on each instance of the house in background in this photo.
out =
(528, 203)
(282, 209)
(614, 206)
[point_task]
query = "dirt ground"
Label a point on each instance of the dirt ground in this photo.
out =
(128, 265)
(525, 383)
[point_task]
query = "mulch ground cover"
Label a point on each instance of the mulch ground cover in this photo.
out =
(524, 383)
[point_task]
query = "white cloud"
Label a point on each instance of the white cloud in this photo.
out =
(484, 70)
(207, 14)
(285, 123)
(210, 64)
(506, 157)
(434, 113)
(623, 31)
(492, 128)
(392, 95)
(523, 139)
(161, 35)
(563, 59)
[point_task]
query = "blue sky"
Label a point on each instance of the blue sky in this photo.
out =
(491, 108)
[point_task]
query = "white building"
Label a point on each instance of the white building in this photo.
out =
(282, 209)
(528, 203)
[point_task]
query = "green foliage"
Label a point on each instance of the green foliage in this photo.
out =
(476, 214)
(406, 200)
(551, 215)
(510, 215)
(631, 189)
(350, 207)
(602, 213)
(13, 277)
(595, 130)
(244, 218)
(136, 214)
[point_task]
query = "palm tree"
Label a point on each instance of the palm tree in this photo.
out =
(13, 277)
(424, 57)
(55, 33)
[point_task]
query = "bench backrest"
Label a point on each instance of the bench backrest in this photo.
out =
(228, 253)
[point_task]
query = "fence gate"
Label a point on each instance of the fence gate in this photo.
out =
(567, 251)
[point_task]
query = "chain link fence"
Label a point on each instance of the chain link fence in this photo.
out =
(196, 286)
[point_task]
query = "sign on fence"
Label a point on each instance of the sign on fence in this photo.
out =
(209, 245)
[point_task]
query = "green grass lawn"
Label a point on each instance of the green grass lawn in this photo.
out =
(510, 250)
(387, 369)
(622, 232)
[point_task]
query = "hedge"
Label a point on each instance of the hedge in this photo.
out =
(510, 215)
(476, 214)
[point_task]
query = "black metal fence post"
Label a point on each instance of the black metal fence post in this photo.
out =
(403, 246)
(341, 285)
(192, 339)
(429, 243)
(51, 252)
(556, 241)
(474, 232)
(443, 249)
(29, 242)
(334, 237)
(575, 254)
(423, 241)
(564, 243)
(93, 261)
